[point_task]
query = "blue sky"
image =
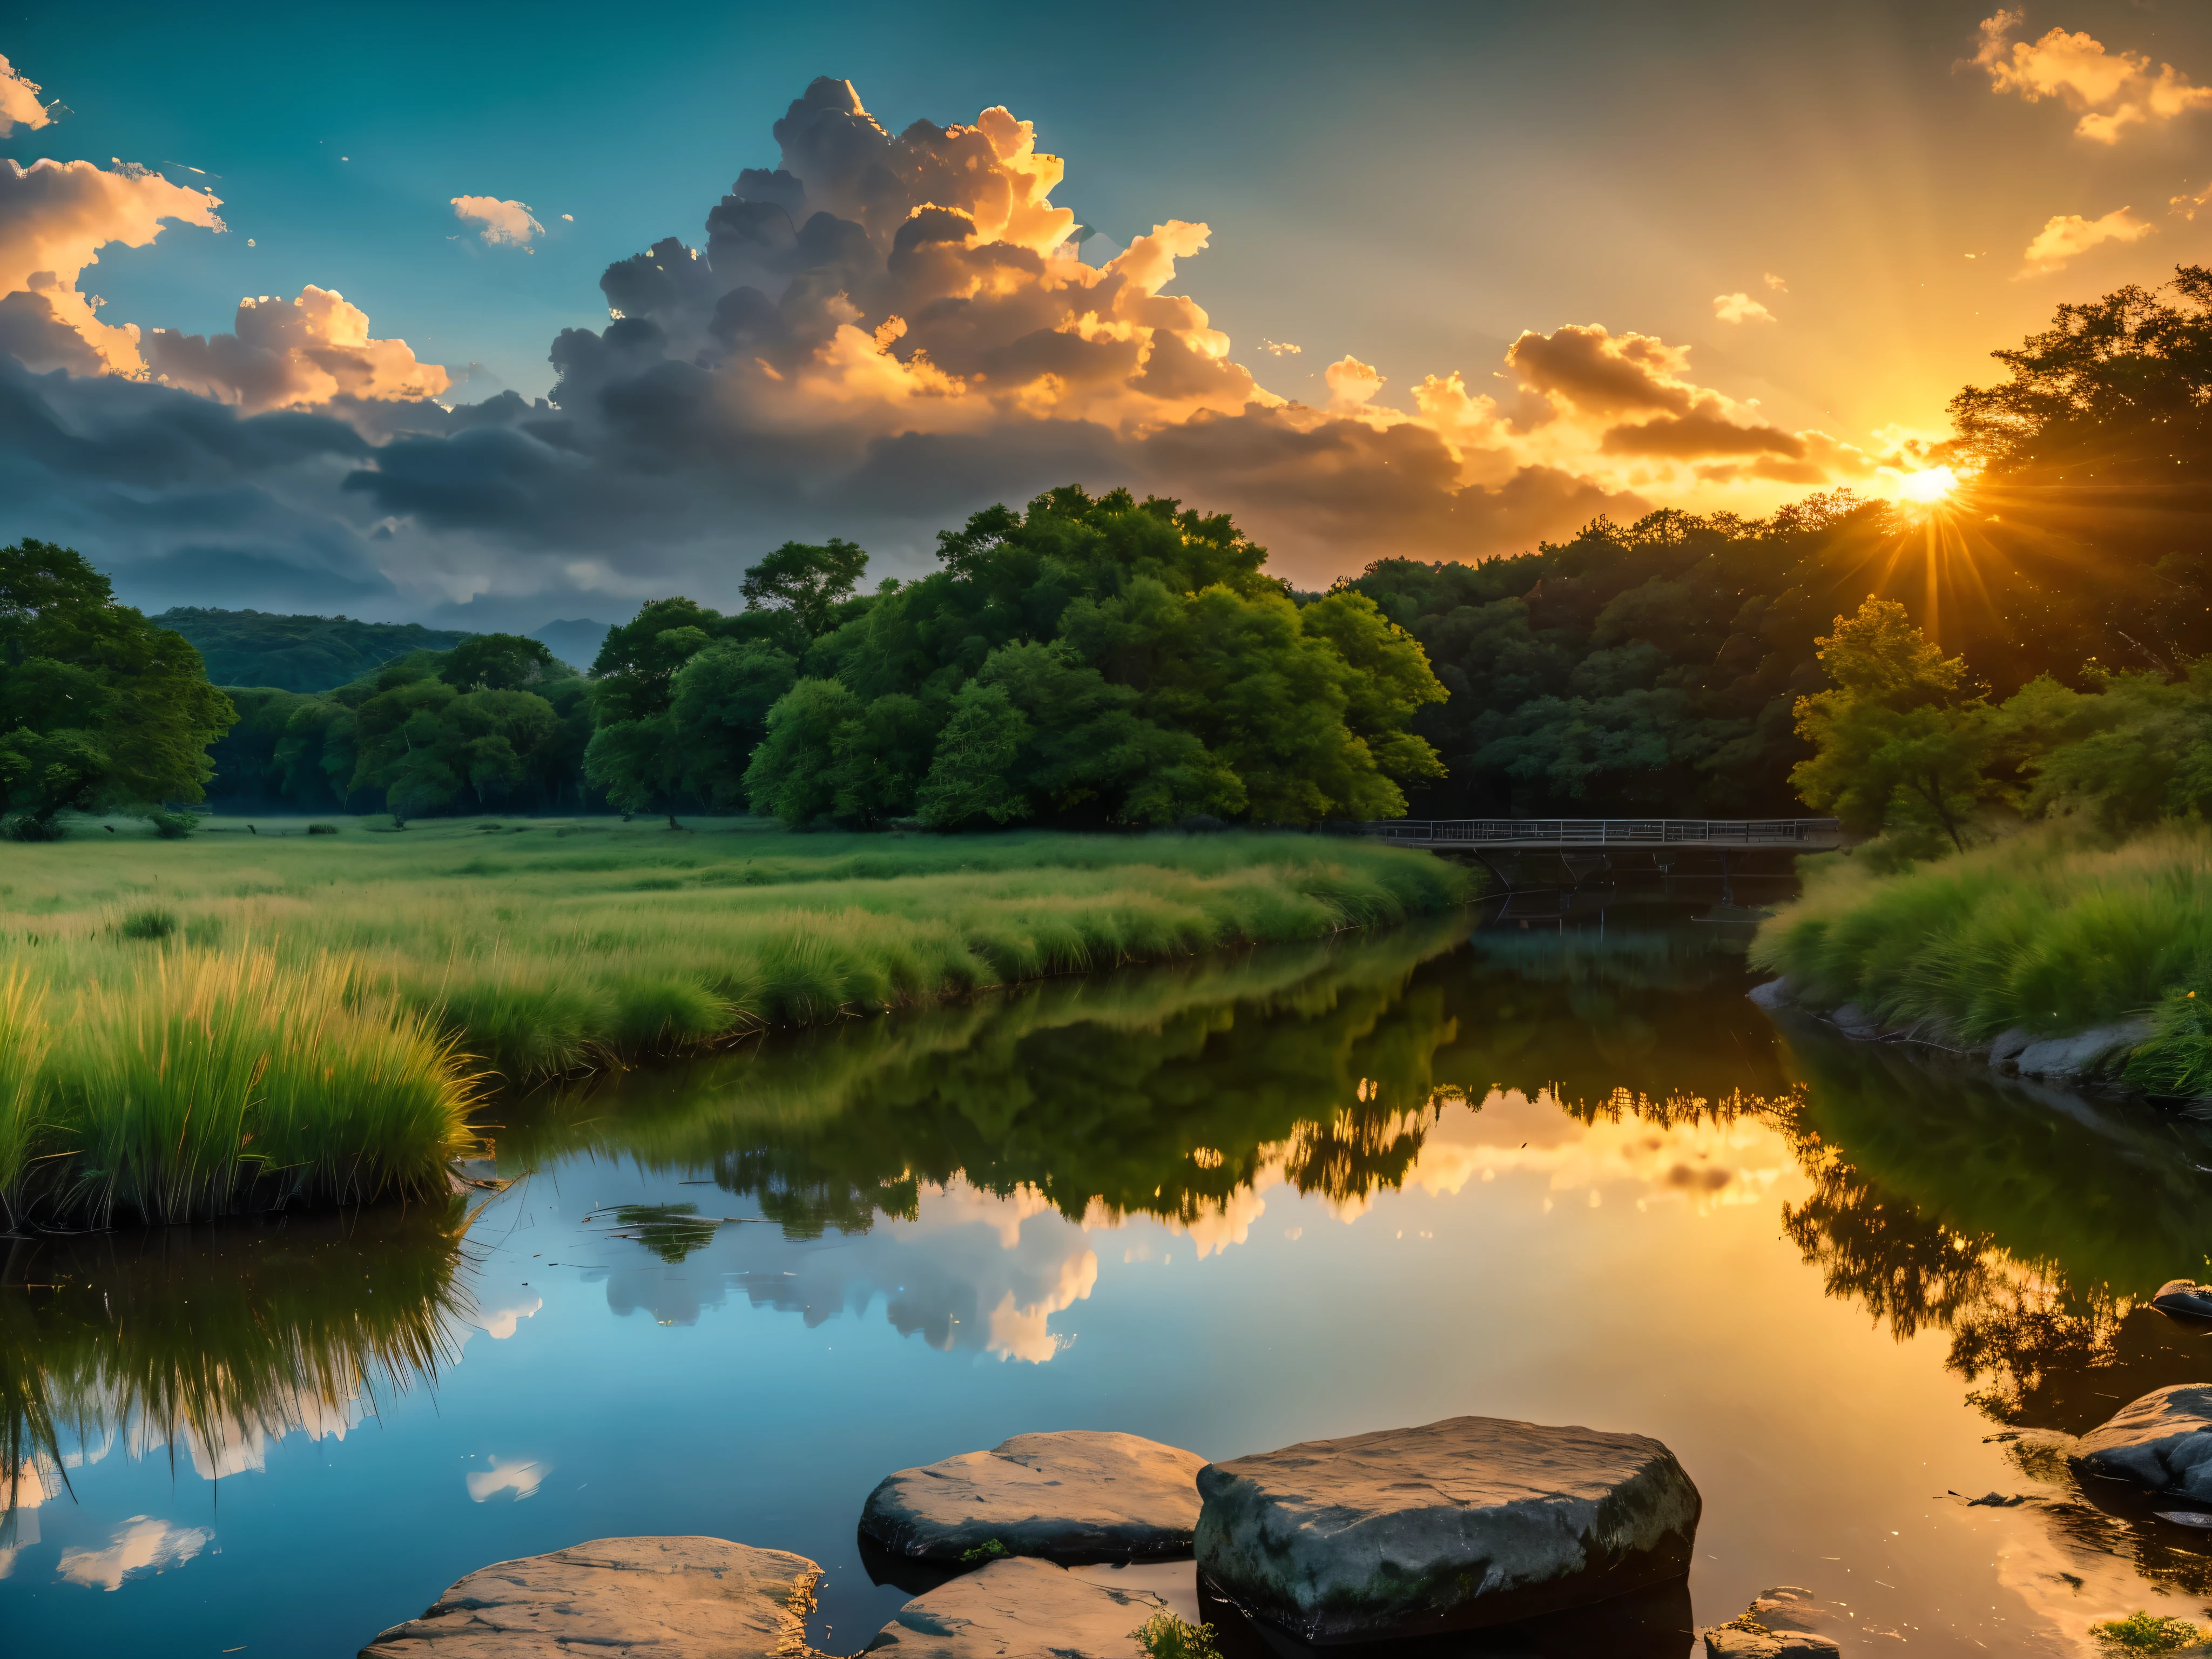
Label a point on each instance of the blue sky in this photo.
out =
(1410, 186)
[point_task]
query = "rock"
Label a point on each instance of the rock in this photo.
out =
(2160, 1444)
(2005, 1046)
(2184, 1298)
(679, 1598)
(1020, 1609)
(1782, 1623)
(2099, 1049)
(1073, 1497)
(1471, 1521)
(1734, 1642)
(1776, 992)
(1855, 1021)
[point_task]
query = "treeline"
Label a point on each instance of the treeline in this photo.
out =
(297, 653)
(1656, 668)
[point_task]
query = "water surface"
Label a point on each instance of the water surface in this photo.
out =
(1230, 1204)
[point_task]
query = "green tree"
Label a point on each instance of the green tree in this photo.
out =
(1898, 745)
(807, 580)
(99, 708)
(974, 775)
(793, 772)
(718, 714)
(499, 662)
(431, 746)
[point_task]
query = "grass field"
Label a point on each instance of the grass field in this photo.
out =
(2044, 932)
(187, 1028)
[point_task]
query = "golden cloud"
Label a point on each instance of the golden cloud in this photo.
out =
(2113, 91)
(509, 223)
(2066, 235)
(1740, 309)
(18, 101)
(314, 349)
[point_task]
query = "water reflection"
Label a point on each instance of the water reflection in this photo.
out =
(987, 1176)
(210, 1344)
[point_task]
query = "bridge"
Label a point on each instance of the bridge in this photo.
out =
(1611, 834)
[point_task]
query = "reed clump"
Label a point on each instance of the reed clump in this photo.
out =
(2046, 931)
(179, 1072)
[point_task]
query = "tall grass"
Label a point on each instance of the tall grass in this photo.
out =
(2042, 933)
(181, 1076)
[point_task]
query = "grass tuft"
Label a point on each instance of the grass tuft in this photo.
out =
(2141, 1632)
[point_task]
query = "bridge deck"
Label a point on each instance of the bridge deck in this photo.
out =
(1587, 835)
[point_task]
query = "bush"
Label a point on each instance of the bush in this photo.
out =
(172, 826)
(1164, 1636)
(21, 826)
(2140, 1633)
(152, 922)
(322, 828)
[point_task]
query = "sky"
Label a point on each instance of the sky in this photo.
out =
(314, 310)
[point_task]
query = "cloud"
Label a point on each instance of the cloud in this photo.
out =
(2186, 206)
(1280, 347)
(1740, 309)
(523, 1480)
(2065, 235)
(1775, 284)
(55, 216)
(2113, 91)
(504, 222)
(139, 1545)
(314, 349)
(18, 101)
(872, 338)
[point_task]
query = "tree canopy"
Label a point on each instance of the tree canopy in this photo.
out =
(99, 708)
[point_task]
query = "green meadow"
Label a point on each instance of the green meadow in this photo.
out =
(261, 1014)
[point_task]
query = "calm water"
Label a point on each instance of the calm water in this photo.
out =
(1230, 1206)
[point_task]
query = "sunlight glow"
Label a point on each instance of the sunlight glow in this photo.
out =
(1927, 487)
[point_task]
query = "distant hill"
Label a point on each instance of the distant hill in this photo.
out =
(320, 653)
(298, 654)
(576, 643)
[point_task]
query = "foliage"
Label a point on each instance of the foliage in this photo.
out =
(1164, 1636)
(810, 582)
(1897, 748)
(199, 1084)
(991, 1549)
(297, 653)
(2139, 1632)
(1096, 661)
(2040, 931)
(98, 707)
(543, 954)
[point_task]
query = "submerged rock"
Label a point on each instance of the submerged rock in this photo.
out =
(2102, 1048)
(1775, 994)
(2161, 1444)
(2184, 1298)
(677, 1598)
(1471, 1521)
(1020, 1609)
(1855, 1021)
(1079, 1495)
(1782, 1623)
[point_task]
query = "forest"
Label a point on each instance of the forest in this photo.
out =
(1097, 660)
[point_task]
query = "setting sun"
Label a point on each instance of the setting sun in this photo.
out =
(1928, 487)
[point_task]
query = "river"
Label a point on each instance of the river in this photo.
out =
(1230, 1204)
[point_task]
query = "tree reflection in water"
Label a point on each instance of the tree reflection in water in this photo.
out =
(212, 1342)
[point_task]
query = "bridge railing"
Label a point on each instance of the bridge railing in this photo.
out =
(1610, 832)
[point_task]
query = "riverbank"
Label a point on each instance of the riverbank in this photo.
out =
(2046, 951)
(261, 1014)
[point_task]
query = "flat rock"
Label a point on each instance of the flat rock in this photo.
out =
(1079, 1496)
(2005, 1047)
(1471, 1521)
(1784, 1622)
(2184, 1298)
(1855, 1021)
(2162, 1443)
(676, 1598)
(1020, 1609)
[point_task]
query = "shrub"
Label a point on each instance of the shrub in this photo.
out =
(322, 828)
(21, 826)
(1164, 1636)
(152, 922)
(172, 826)
(2139, 1633)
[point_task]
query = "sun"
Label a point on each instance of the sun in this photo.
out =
(1927, 488)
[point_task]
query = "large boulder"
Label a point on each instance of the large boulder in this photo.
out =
(2184, 1298)
(1470, 1522)
(1074, 1497)
(1020, 1609)
(2160, 1444)
(676, 1598)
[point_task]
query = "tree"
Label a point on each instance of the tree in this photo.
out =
(429, 746)
(807, 580)
(99, 708)
(718, 714)
(1898, 747)
(499, 662)
(974, 776)
(793, 776)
